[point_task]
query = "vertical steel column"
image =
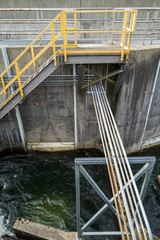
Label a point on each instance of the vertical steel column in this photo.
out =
(77, 180)
(146, 181)
(75, 104)
(18, 115)
(150, 103)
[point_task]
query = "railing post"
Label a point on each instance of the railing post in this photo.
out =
(75, 26)
(53, 42)
(133, 16)
(64, 24)
(113, 28)
(33, 57)
(124, 33)
(132, 28)
(154, 23)
(144, 36)
(18, 77)
(3, 84)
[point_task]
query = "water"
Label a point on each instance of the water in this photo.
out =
(41, 187)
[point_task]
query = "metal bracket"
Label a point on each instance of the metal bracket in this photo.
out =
(146, 170)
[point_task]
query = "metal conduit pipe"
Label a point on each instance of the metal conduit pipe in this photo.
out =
(130, 171)
(124, 166)
(131, 175)
(120, 161)
(100, 99)
(108, 165)
(109, 124)
(112, 168)
(120, 157)
(112, 154)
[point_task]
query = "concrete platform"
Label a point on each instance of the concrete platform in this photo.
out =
(26, 229)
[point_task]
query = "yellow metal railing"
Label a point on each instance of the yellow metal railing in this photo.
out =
(128, 27)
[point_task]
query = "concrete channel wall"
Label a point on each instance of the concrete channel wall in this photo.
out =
(77, 3)
(48, 112)
(48, 117)
(134, 99)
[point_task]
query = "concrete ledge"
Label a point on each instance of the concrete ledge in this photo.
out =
(152, 142)
(34, 231)
(51, 147)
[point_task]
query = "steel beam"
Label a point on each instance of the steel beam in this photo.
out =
(102, 160)
(115, 233)
(75, 105)
(93, 59)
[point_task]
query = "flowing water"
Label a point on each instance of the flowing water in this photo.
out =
(41, 187)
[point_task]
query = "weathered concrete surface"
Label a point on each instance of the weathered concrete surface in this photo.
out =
(134, 99)
(48, 115)
(48, 112)
(9, 133)
(77, 3)
(30, 230)
(51, 146)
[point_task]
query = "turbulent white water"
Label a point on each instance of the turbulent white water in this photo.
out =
(4, 230)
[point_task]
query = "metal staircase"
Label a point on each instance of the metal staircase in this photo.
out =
(28, 86)
(66, 31)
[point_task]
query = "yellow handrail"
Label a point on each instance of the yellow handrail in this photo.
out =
(34, 57)
(65, 31)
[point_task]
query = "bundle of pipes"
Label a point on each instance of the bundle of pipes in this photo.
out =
(131, 215)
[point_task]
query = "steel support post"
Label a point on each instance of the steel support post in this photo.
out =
(146, 181)
(77, 180)
(146, 169)
(18, 115)
(75, 104)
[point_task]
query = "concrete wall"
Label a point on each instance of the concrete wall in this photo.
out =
(77, 3)
(134, 98)
(48, 113)
(23, 33)
(48, 117)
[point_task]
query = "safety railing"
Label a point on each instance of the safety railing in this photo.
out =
(19, 26)
(65, 30)
(126, 29)
(147, 30)
(34, 57)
